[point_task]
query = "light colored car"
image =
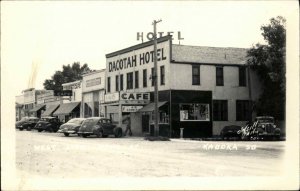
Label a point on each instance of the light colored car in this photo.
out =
(71, 127)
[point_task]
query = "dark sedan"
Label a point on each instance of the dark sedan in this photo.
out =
(50, 124)
(71, 127)
(101, 127)
(27, 123)
(231, 131)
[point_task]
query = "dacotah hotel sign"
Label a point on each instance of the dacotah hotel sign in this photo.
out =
(140, 59)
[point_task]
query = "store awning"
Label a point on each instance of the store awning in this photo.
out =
(150, 106)
(50, 110)
(66, 108)
(37, 108)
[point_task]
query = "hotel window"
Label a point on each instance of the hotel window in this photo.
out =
(108, 84)
(136, 79)
(117, 83)
(219, 76)
(162, 75)
(130, 80)
(145, 78)
(220, 110)
(152, 76)
(196, 75)
(121, 82)
(242, 76)
(242, 110)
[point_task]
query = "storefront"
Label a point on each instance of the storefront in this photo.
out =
(67, 111)
(201, 89)
(38, 110)
(51, 102)
(93, 94)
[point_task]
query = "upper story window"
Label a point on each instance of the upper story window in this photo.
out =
(196, 75)
(242, 76)
(162, 75)
(117, 83)
(121, 82)
(219, 76)
(145, 78)
(130, 80)
(108, 84)
(136, 79)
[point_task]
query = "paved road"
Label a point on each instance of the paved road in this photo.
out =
(53, 155)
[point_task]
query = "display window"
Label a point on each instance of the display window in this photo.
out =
(194, 112)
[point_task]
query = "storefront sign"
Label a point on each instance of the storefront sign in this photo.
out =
(75, 85)
(143, 58)
(131, 108)
(135, 96)
(63, 93)
(93, 82)
(150, 35)
(111, 97)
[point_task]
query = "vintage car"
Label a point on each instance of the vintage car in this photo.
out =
(231, 131)
(27, 123)
(99, 126)
(266, 128)
(50, 124)
(71, 127)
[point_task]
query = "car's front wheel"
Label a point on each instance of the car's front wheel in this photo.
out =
(66, 134)
(99, 134)
(40, 130)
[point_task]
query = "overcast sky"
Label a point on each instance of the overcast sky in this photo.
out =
(47, 35)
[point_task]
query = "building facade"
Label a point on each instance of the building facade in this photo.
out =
(201, 89)
(93, 88)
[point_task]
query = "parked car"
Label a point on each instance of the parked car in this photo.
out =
(71, 127)
(231, 131)
(99, 126)
(50, 124)
(27, 123)
(266, 128)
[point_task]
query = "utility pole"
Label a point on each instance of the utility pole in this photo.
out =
(154, 77)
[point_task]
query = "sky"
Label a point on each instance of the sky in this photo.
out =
(38, 37)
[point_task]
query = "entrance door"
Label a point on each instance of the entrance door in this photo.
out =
(145, 123)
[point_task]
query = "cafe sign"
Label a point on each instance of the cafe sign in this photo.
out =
(131, 108)
(135, 96)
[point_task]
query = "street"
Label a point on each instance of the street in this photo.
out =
(53, 155)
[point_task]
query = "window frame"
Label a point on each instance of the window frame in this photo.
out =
(162, 75)
(242, 76)
(219, 76)
(108, 84)
(129, 84)
(196, 77)
(117, 83)
(145, 78)
(121, 82)
(136, 79)
(220, 113)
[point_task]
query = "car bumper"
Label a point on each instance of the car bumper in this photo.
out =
(85, 133)
(66, 131)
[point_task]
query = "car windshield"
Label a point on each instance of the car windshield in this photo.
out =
(90, 122)
(76, 121)
(24, 119)
(45, 119)
(232, 127)
(265, 120)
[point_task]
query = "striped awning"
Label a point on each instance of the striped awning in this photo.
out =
(66, 108)
(49, 111)
(151, 106)
(37, 108)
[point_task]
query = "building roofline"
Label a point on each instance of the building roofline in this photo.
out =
(93, 72)
(77, 81)
(203, 63)
(138, 46)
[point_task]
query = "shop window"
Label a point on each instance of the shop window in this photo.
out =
(121, 82)
(242, 110)
(196, 75)
(136, 79)
(194, 112)
(163, 115)
(242, 76)
(220, 110)
(152, 77)
(117, 83)
(162, 75)
(108, 84)
(130, 80)
(145, 78)
(219, 76)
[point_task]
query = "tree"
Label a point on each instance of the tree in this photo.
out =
(68, 74)
(269, 63)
